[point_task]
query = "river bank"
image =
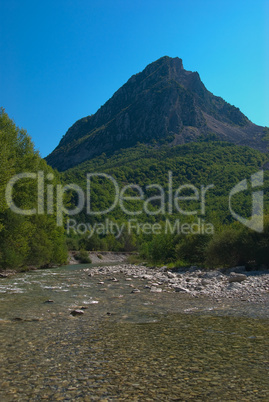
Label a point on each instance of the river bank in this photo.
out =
(96, 257)
(99, 257)
(234, 283)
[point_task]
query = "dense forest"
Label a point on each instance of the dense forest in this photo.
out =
(207, 162)
(33, 240)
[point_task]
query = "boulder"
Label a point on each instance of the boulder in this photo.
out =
(135, 291)
(155, 290)
(148, 277)
(180, 289)
(77, 312)
(236, 277)
(205, 282)
(171, 275)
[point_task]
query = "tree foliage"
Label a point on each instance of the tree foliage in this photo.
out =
(201, 164)
(25, 240)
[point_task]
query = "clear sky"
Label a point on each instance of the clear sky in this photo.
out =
(61, 60)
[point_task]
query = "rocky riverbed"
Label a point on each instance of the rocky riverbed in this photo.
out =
(128, 332)
(235, 283)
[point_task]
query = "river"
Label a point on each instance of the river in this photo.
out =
(126, 346)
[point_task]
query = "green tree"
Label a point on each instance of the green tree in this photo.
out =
(32, 239)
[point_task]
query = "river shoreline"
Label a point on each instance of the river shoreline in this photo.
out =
(235, 283)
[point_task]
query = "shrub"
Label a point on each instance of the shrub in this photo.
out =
(229, 248)
(191, 249)
(83, 257)
(162, 249)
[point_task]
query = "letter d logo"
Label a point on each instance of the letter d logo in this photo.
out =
(256, 220)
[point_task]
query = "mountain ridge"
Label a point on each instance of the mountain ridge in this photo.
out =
(162, 104)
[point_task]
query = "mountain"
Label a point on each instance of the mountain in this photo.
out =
(162, 104)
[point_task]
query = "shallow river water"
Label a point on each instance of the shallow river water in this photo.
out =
(126, 346)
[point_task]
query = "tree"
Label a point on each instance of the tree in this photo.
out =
(33, 239)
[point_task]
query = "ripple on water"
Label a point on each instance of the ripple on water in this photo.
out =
(11, 289)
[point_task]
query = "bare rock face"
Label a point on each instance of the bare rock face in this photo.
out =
(162, 104)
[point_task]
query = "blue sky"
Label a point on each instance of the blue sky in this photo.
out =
(61, 60)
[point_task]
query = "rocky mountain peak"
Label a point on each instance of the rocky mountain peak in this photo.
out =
(162, 104)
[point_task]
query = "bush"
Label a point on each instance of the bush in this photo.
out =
(260, 243)
(191, 249)
(161, 249)
(83, 257)
(229, 248)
